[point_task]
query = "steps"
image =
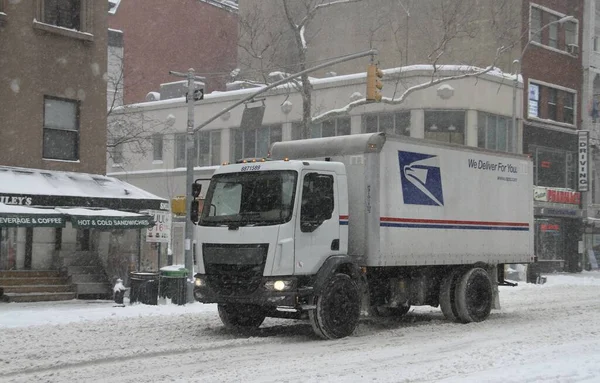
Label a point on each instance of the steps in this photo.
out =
(35, 286)
(87, 275)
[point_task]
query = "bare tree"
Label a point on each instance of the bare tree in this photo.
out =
(478, 34)
(126, 127)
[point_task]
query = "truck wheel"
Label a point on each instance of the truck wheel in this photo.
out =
(474, 296)
(447, 289)
(338, 308)
(241, 317)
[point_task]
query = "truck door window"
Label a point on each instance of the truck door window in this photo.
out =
(317, 201)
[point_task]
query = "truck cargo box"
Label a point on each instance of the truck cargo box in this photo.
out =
(418, 202)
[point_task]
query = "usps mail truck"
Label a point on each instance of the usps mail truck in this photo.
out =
(329, 229)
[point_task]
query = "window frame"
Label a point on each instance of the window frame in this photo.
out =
(485, 129)
(214, 156)
(543, 102)
(3, 16)
(317, 129)
(463, 128)
(544, 40)
(398, 129)
(77, 131)
(179, 139)
(156, 138)
(244, 133)
(86, 16)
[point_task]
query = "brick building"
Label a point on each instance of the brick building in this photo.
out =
(159, 36)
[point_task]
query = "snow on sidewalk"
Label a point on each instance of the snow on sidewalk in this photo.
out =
(49, 313)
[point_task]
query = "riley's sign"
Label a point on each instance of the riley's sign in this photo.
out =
(10, 200)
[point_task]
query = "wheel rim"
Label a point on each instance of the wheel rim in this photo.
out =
(478, 296)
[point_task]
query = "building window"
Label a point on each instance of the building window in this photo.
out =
(551, 92)
(113, 5)
(62, 13)
(254, 143)
(553, 167)
(331, 128)
(389, 123)
(208, 147)
(535, 25)
(568, 106)
(445, 126)
(596, 43)
(553, 31)
(494, 132)
(541, 19)
(180, 150)
(570, 33)
(2, 14)
(61, 129)
(157, 147)
(117, 153)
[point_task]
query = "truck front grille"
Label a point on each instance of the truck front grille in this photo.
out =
(234, 270)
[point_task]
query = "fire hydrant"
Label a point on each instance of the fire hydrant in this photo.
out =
(119, 291)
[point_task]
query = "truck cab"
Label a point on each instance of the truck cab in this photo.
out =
(266, 231)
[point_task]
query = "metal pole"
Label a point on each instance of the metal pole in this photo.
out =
(286, 80)
(189, 180)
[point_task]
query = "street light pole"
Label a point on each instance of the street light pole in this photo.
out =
(189, 159)
(515, 136)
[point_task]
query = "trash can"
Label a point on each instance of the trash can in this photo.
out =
(173, 284)
(144, 287)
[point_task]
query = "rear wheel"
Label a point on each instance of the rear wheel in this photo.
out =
(447, 295)
(241, 317)
(474, 296)
(337, 308)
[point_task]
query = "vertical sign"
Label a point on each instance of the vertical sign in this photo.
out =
(583, 160)
(161, 231)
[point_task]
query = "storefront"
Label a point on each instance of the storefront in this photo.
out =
(49, 219)
(558, 229)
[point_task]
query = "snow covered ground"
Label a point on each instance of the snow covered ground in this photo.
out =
(544, 333)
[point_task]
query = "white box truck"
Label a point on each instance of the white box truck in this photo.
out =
(328, 229)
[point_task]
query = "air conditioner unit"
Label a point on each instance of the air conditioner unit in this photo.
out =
(573, 49)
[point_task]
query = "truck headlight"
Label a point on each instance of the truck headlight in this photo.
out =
(279, 285)
(199, 282)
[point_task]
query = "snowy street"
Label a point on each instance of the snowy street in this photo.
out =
(544, 333)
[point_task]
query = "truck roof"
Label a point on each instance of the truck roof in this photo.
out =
(283, 164)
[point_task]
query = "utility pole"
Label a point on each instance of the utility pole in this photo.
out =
(189, 159)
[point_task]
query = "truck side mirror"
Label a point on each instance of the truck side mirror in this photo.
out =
(196, 189)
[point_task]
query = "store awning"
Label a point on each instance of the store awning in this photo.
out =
(106, 219)
(22, 216)
(48, 188)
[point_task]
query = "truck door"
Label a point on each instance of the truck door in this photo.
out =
(317, 232)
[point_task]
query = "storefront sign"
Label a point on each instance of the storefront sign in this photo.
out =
(548, 211)
(32, 221)
(111, 222)
(12, 200)
(161, 231)
(544, 194)
(582, 160)
(534, 97)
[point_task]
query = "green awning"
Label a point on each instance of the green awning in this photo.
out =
(22, 216)
(106, 219)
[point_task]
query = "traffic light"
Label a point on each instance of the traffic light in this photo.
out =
(374, 84)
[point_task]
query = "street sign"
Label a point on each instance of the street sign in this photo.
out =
(583, 160)
(161, 231)
(198, 95)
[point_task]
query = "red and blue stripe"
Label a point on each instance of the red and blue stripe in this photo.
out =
(417, 223)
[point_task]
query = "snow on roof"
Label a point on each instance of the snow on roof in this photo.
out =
(45, 182)
(441, 69)
(97, 213)
(16, 209)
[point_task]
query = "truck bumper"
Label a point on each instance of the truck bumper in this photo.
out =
(261, 296)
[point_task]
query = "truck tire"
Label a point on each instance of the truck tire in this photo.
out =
(241, 317)
(337, 308)
(474, 296)
(447, 293)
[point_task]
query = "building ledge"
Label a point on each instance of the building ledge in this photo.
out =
(63, 31)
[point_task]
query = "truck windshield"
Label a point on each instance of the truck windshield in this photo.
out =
(250, 198)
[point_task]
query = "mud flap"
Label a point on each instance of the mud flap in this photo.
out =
(493, 272)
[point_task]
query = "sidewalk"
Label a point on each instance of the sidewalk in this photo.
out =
(63, 312)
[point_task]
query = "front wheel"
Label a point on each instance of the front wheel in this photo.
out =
(338, 308)
(241, 317)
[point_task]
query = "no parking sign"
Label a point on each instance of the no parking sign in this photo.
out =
(161, 231)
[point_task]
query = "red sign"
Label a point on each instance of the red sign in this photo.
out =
(549, 227)
(563, 196)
